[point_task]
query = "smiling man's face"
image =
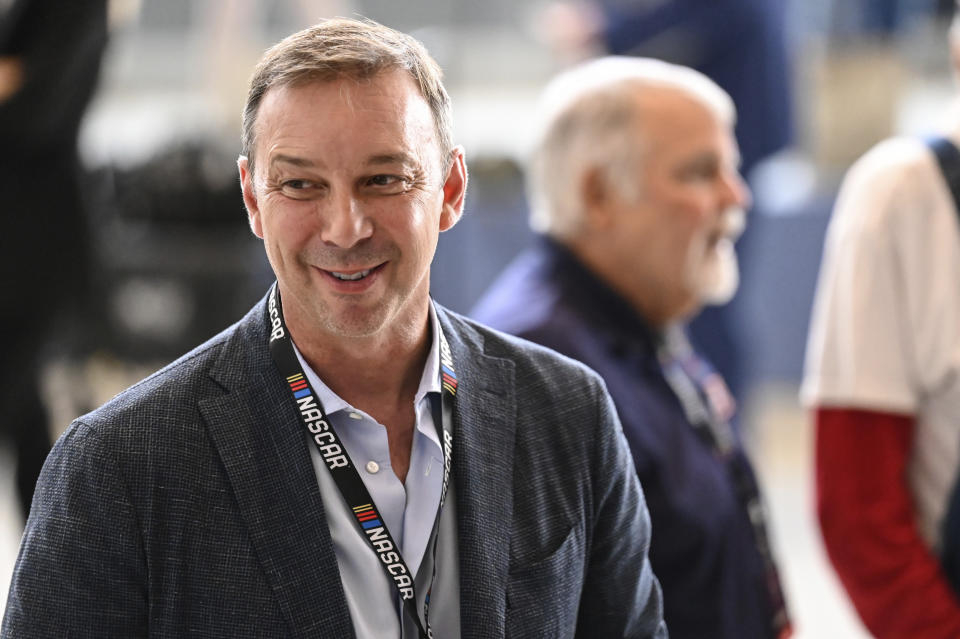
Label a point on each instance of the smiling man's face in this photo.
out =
(349, 195)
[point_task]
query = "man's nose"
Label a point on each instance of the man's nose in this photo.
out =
(734, 190)
(344, 221)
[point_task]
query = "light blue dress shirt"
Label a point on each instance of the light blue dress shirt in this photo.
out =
(408, 509)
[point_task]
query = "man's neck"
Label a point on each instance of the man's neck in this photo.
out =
(377, 374)
(380, 368)
(649, 299)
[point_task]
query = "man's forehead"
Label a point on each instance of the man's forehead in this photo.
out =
(671, 117)
(395, 85)
(386, 113)
(661, 103)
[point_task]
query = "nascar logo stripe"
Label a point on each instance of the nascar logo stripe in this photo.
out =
(449, 379)
(365, 512)
(298, 385)
(367, 516)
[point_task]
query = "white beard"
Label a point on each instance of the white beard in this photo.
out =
(718, 275)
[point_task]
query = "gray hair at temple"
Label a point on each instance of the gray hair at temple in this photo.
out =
(585, 118)
(346, 48)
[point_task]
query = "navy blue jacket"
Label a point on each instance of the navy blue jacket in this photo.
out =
(703, 549)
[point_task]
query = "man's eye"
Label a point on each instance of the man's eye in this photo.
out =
(699, 172)
(386, 184)
(298, 188)
(384, 180)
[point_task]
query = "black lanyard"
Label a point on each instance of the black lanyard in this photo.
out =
(683, 371)
(342, 469)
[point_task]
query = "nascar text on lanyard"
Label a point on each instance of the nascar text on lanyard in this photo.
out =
(334, 455)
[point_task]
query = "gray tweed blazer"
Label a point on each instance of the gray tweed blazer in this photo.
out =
(188, 506)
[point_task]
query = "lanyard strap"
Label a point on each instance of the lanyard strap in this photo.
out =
(344, 472)
(681, 368)
(948, 158)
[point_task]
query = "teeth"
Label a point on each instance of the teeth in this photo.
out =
(351, 278)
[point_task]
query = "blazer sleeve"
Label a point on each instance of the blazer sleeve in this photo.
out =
(621, 596)
(81, 571)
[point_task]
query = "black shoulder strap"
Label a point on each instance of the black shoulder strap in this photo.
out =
(948, 157)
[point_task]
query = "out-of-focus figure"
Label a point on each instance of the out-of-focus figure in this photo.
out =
(740, 45)
(883, 380)
(50, 54)
(634, 187)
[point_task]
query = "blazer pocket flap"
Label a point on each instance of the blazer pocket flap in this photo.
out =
(554, 578)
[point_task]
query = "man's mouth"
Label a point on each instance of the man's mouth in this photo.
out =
(714, 239)
(354, 276)
(351, 277)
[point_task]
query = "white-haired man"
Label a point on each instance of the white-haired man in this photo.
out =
(635, 189)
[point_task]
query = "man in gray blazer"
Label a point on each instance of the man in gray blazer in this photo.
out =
(350, 459)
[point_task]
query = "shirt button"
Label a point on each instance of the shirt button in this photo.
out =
(356, 416)
(373, 467)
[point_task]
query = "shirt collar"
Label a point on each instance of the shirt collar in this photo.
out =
(429, 380)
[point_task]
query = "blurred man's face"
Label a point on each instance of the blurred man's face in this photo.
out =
(675, 229)
(349, 196)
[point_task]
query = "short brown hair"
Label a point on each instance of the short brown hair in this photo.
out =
(343, 47)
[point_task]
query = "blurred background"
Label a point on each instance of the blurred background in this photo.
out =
(169, 260)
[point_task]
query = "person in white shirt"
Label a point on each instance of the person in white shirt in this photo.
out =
(883, 381)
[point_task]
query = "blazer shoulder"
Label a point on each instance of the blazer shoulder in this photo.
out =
(546, 387)
(167, 394)
(530, 360)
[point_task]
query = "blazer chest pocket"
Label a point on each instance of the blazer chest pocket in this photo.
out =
(543, 596)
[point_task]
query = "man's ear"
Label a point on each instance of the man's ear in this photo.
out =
(598, 197)
(250, 196)
(454, 190)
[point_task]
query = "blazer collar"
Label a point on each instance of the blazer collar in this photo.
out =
(485, 427)
(255, 429)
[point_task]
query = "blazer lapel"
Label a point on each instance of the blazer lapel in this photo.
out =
(485, 426)
(255, 428)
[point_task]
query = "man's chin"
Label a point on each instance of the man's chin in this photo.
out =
(355, 325)
(720, 276)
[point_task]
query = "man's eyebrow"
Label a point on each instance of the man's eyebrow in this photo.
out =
(292, 159)
(374, 160)
(703, 157)
(393, 158)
